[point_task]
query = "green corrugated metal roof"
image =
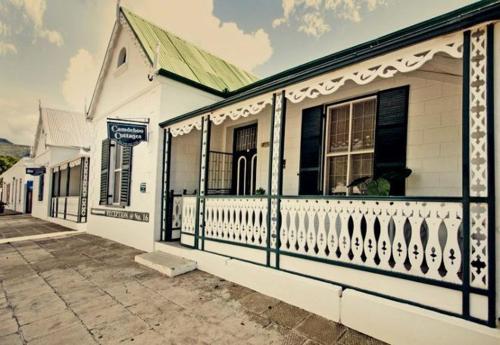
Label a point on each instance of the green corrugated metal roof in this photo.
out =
(185, 59)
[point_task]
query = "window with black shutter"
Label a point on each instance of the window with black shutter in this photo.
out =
(364, 137)
(310, 151)
(116, 169)
(41, 186)
(391, 134)
(105, 156)
(126, 170)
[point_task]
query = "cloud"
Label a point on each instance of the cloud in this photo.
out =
(7, 48)
(224, 39)
(34, 11)
(18, 119)
(314, 24)
(4, 29)
(311, 15)
(80, 79)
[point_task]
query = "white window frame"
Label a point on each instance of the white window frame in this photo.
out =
(113, 169)
(349, 152)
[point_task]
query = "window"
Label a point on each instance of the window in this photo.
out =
(122, 57)
(116, 164)
(41, 185)
(116, 168)
(20, 189)
(349, 152)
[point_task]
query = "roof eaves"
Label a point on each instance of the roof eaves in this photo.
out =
(441, 25)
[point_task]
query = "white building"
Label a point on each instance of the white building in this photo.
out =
(256, 177)
(17, 187)
(61, 148)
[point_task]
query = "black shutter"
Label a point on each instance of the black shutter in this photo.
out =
(126, 176)
(106, 146)
(391, 133)
(310, 151)
(41, 184)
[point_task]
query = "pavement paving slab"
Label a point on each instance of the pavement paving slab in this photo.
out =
(83, 289)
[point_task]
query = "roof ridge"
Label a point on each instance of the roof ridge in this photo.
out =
(171, 35)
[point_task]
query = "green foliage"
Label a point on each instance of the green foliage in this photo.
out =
(260, 191)
(6, 162)
(378, 187)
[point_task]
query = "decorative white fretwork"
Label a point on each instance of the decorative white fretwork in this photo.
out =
(85, 189)
(205, 145)
(241, 220)
(189, 214)
(479, 245)
(276, 165)
(186, 126)
(478, 114)
(166, 173)
(253, 107)
(403, 61)
(177, 211)
(416, 238)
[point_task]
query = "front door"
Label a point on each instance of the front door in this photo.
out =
(244, 160)
(29, 196)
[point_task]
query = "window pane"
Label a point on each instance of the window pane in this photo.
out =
(363, 125)
(339, 129)
(117, 186)
(337, 175)
(361, 166)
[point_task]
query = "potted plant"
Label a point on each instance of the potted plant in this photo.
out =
(381, 185)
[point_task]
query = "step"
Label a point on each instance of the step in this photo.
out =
(165, 263)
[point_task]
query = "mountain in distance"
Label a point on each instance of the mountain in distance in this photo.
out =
(7, 148)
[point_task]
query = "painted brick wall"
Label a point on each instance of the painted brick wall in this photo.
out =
(434, 132)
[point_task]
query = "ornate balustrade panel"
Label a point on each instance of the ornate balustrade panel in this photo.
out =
(177, 212)
(242, 220)
(188, 214)
(421, 239)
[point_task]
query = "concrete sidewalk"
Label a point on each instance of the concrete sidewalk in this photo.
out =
(22, 225)
(83, 289)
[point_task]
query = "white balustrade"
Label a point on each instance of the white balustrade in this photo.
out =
(412, 237)
(242, 220)
(189, 214)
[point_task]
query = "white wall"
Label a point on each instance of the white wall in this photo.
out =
(127, 93)
(185, 162)
(434, 133)
(17, 178)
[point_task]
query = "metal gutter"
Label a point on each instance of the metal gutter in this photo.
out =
(447, 23)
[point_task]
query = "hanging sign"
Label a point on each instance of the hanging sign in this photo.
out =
(127, 134)
(35, 171)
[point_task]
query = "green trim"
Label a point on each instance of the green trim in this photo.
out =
(456, 20)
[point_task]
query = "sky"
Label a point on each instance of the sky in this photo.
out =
(52, 50)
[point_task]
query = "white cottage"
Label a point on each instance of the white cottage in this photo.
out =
(61, 154)
(149, 75)
(359, 186)
(17, 187)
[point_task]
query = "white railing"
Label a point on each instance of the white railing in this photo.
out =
(242, 220)
(177, 211)
(189, 214)
(418, 238)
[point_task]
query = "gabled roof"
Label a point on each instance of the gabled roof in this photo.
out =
(186, 60)
(63, 128)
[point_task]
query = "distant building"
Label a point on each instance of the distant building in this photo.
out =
(61, 149)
